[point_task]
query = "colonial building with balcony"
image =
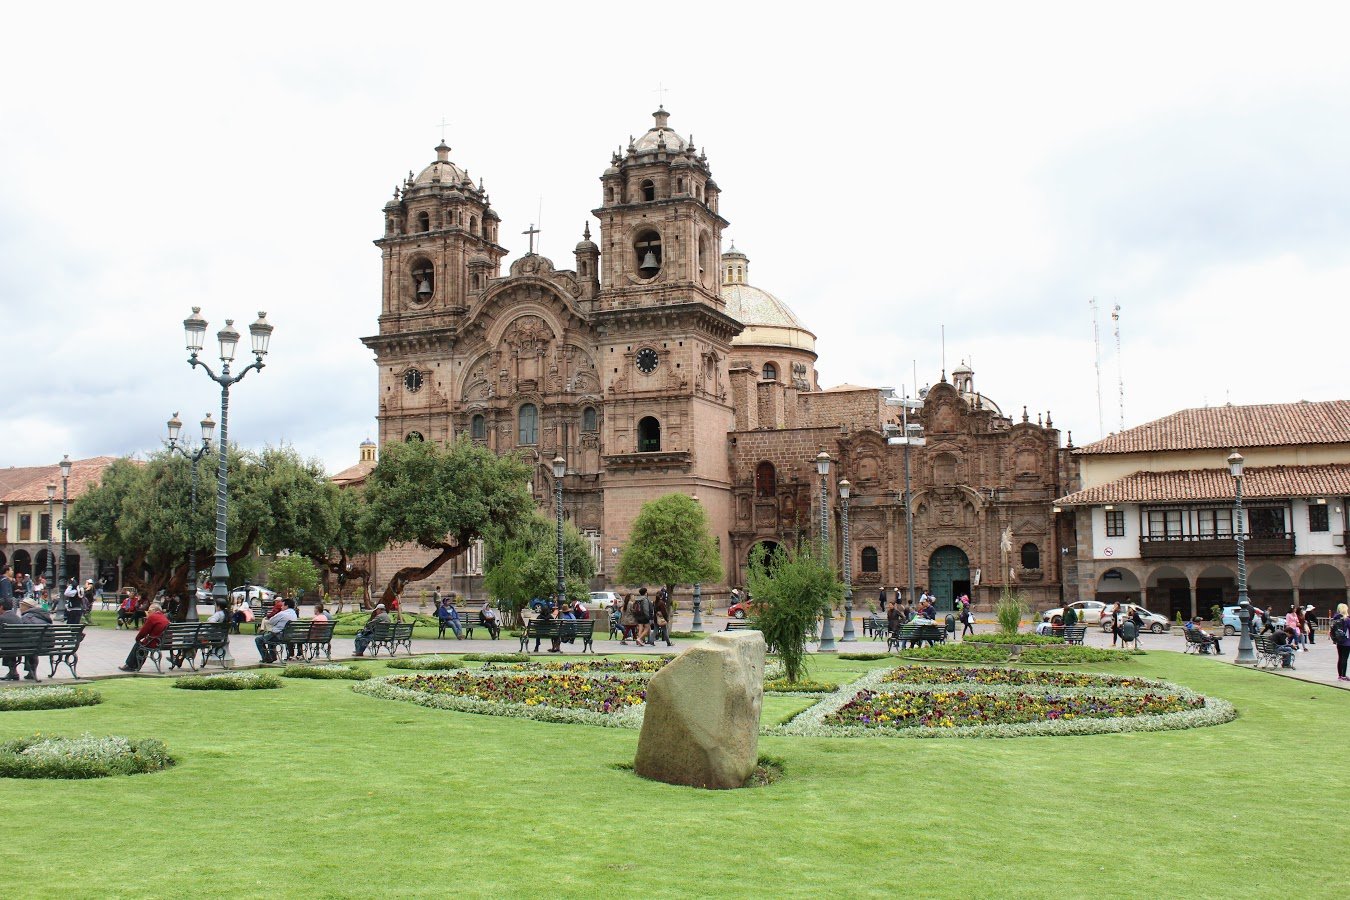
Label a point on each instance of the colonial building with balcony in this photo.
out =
(1156, 519)
(29, 523)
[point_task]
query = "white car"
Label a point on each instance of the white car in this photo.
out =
(601, 599)
(1152, 621)
(258, 596)
(1089, 612)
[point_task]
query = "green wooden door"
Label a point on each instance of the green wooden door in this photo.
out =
(948, 571)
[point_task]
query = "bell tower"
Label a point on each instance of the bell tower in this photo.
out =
(439, 251)
(660, 232)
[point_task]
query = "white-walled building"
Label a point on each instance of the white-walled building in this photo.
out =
(1155, 520)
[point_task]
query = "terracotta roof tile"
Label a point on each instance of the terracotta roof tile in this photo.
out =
(1188, 485)
(354, 474)
(1234, 427)
(84, 474)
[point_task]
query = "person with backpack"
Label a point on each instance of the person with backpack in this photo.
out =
(74, 602)
(1340, 636)
(642, 618)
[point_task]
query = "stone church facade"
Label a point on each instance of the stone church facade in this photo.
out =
(653, 366)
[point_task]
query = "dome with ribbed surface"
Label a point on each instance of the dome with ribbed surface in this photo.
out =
(768, 321)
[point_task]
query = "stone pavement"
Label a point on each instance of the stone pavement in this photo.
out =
(104, 649)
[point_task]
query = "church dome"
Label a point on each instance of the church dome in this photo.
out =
(660, 137)
(768, 321)
(442, 171)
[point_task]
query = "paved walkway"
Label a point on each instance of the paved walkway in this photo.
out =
(104, 649)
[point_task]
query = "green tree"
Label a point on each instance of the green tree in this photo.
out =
(442, 499)
(292, 573)
(519, 568)
(791, 589)
(669, 544)
(143, 514)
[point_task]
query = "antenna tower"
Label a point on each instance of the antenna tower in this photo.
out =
(1120, 366)
(1097, 361)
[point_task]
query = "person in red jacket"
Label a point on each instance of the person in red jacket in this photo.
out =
(147, 638)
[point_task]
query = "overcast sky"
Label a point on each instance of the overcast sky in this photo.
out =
(888, 168)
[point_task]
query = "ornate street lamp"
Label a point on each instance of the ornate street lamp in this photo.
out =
(697, 626)
(1245, 654)
(194, 327)
(559, 470)
(849, 636)
(65, 508)
(208, 430)
(827, 622)
(51, 559)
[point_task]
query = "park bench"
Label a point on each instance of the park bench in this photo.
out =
(469, 619)
(58, 643)
(182, 641)
(391, 636)
(305, 639)
(215, 640)
(1073, 634)
(259, 613)
(1267, 653)
(914, 634)
(739, 625)
(1197, 642)
(875, 626)
(569, 629)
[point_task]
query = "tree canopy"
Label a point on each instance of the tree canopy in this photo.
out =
(669, 544)
(519, 568)
(443, 499)
(791, 588)
(292, 573)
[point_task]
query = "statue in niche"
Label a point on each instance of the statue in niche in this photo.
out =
(799, 379)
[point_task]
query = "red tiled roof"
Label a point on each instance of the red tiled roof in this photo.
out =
(354, 474)
(1234, 427)
(84, 474)
(1267, 482)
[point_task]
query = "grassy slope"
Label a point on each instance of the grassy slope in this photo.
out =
(337, 786)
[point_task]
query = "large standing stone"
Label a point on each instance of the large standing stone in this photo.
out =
(701, 726)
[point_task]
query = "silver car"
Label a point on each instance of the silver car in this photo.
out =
(1158, 624)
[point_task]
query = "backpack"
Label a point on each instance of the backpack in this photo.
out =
(1338, 636)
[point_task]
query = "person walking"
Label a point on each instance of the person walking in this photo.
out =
(662, 617)
(1340, 636)
(74, 599)
(1114, 615)
(642, 618)
(628, 618)
(967, 620)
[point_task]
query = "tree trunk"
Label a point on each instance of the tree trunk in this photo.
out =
(408, 574)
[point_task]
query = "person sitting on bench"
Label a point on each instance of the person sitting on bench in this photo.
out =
(1207, 640)
(147, 638)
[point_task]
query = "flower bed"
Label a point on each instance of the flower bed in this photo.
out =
(85, 756)
(647, 665)
(53, 697)
(998, 637)
(952, 708)
(426, 663)
(349, 673)
(229, 681)
(591, 699)
(991, 675)
(995, 653)
(1029, 703)
(783, 686)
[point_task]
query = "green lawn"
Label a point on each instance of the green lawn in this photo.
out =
(313, 791)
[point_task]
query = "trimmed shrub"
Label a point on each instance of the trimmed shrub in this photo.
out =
(350, 673)
(228, 681)
(54, 697)
(85, 756)
(497, 657)
(426, 663)
(1000, 637)
(865, 657)
(783, 686)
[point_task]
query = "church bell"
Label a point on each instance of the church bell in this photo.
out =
(649, 262)
(423, 288)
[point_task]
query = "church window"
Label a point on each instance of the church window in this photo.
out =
(770, 372)
(478, 427)
(423, 222)
(679, 184)
(423, 280)
(609, 195)
(589, 419)
(649, 435)
(413, 437)
(527, 421)
(766, 481)
(473, 224)
(648, 190)
(473, 281)
(1031, 556)
(869, 560)
(647, 253)
(702, 253)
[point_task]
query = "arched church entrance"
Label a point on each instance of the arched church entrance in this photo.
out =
(948, 576)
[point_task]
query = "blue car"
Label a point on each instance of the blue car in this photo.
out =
(1232, 622)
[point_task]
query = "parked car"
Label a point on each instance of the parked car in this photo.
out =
(601, 599)
(256, 593)
(1232, 622)
(1154, 622)
(1089, 612)
(740, 610)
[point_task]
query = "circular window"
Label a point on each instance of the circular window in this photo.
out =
(647, 360)
(412, 380)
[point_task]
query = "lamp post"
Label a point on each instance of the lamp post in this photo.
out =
(1245, 654)
(65, 507)
(51, 526)
(195, 456)
(559, 470)
(911, 437)
(827, 623)
(260, 332)
(849, 636)
(697, 624)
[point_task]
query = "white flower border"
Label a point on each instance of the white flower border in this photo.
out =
(811, 722)
(384, 689)
(18, 695)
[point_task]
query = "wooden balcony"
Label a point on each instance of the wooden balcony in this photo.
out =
(1205, 546)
